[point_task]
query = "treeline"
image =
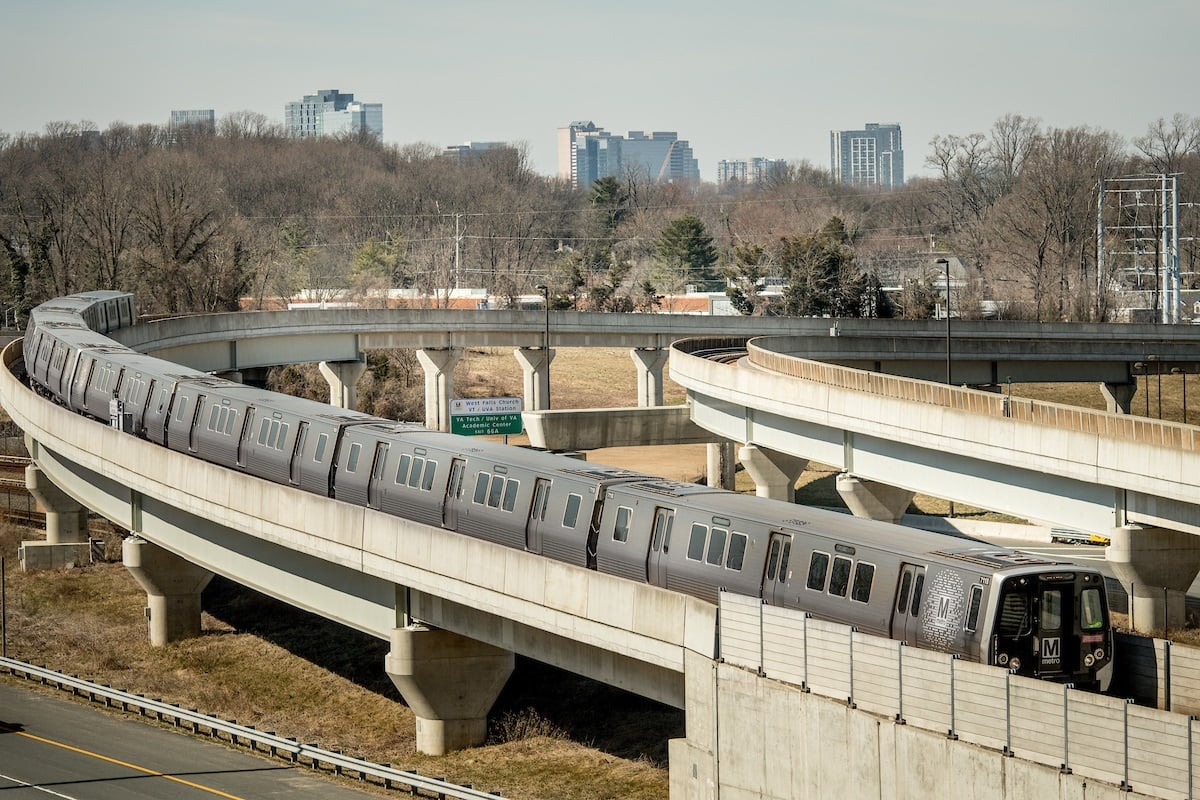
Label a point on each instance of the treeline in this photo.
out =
(195, 220)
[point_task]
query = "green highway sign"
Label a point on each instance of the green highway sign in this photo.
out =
(485, 416)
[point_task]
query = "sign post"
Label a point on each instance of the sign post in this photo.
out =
(486, 416)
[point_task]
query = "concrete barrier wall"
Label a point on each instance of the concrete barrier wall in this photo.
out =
(943, 714)
(1157, 673)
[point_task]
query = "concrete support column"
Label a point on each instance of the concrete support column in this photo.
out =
(439, 384)
(1156, 566)
(66, 542)
(450, 682)
(343, 377)
(1119, 396)
(172, 585)
(721, 465)
(872, 500)
(535, 364)
(650, 362)
(774, 473)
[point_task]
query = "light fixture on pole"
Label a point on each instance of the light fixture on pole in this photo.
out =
(945, 262)
(545, 292)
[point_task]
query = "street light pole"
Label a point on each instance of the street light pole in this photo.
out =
(545, 290)
(945, 262)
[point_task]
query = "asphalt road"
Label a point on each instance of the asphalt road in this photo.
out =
(53, 748)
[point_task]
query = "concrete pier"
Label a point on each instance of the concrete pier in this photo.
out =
(450, 682)
(1119, 396)
(1156, 566)
(343, 378)
(172, 585)
(649, 362)
(721, 465)
(66, 542)
(438, 364)
(774, 473)
(535, 365)
(873, 500)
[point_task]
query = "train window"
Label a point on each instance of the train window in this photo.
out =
(496, 491)
(229, 422)
(864, 576)
(773, 560)
(510, 494)
(621, 526)
(818, 567)
(352, 459)
(322, 442)
(783, 560)
(414, 477)
(839, 576)
(663, 517)
(182, 405)
(716, 546)
(454, 484)
(430, 471)
(481, 487)
(1052, 608)
(273, 439)
(1091, 610)
(571, 513)
(283, 432)
(263, 430)
(737, 551)
(162, 400)
(973, 609)
(917, 588)
(212, 418)
(402, 469)
(1014, 615)
(696, 543)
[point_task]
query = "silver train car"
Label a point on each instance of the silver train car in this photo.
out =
(1033, 616)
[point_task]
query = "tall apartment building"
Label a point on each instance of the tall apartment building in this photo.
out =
(587, 153)
(194, 118)
(873, 156)
(330, 112)
(754, 170)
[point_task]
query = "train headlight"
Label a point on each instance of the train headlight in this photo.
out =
(1099, 654)
(1002, 659)
(1088, 660)
(1015, 664)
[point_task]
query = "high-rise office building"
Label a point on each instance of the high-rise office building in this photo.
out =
(873, 156)
(330, 112)
(754, 170)
(587, 153)
(194, 118)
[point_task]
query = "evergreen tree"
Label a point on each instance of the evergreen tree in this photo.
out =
(686, 252)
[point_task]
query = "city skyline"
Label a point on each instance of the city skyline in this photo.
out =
(518, 72)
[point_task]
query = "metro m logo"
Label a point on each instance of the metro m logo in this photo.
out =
(1051, 650)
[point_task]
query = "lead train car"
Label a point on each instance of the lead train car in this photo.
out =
(988, 604)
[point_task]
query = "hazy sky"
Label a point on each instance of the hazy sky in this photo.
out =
(736, 79)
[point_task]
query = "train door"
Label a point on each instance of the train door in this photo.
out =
(1035, 629)
(194, 428)
(776, 572)
(537, 515)
(660, 545)
(907, 617)
(294, 465)
(375, 482)
(245, 437)
(453, 492)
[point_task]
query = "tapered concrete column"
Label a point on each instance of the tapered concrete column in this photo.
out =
(872, 500)
(1156, 566)
(343, 378)
(1119, 396)
(66, 542)
(450, 682)
(721, 465)
(535, 364)
(650, 362)
(172, 585)
(439, 384)
(774, 473)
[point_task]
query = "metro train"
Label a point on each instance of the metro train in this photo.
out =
(1030, 615)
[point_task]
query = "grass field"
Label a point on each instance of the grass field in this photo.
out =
(552, 734)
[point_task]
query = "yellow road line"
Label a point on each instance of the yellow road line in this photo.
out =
(151, 772)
